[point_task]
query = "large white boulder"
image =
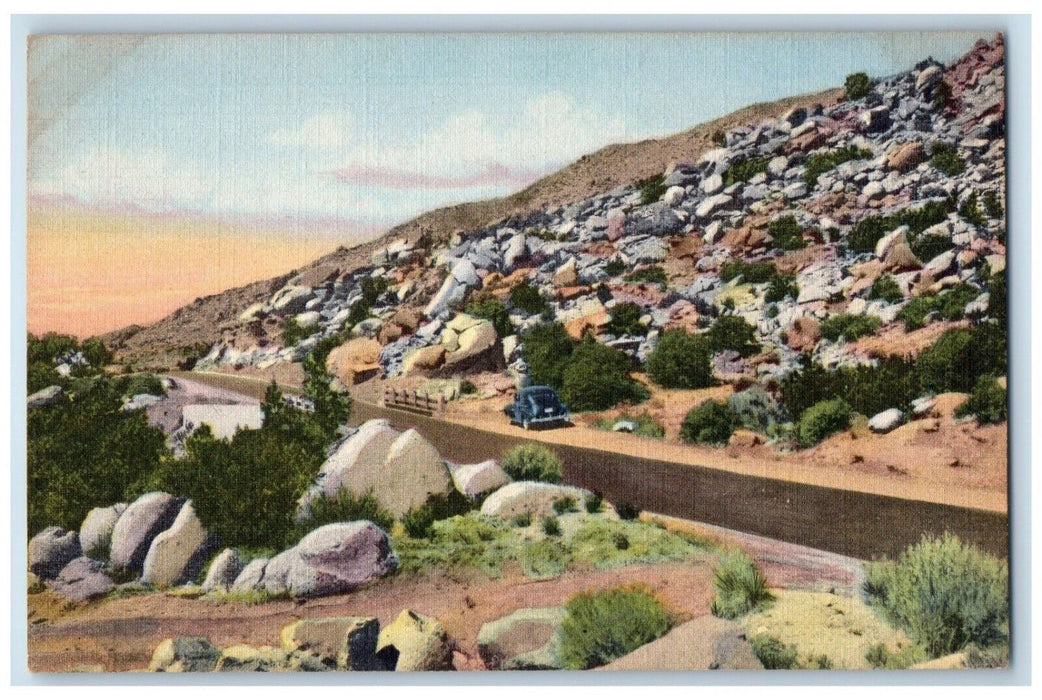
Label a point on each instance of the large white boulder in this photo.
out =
(474, 479)
(175, 554)
(532, 497)
(138, 526)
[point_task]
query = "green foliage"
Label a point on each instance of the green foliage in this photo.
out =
(545, 559)
(627, 511)
(594, 503)
(994, 656)
(787, 233)
(344, 507)
(43, 353)
(565, 504)
(293, 332)
(740, 586)
(547, 349)
(944, 593)
(615, 267)
(625, 320)
(709, 423)
(523, 520)
(527, 298)
(960, 356)
(467, 388)
(950, 305)
(372, 288)
(856, 86)
(733, 333)
(83, 451)
(141, 383)
(992, 204)
(652, 189)
(997, 306)
(332, 407)
(880, 656)
(653, 275)
(603, 626)
(867, 232)
(886, 288)
(680, 360)
(492, 309)
(781, 285)
(987, 402)
(462, 542)
(821, 420)
(753, 273)
(644, 424)
(533, 462)
(95, 352)
(611, 543)
(944, 157)
(928, 247)
(597, 377)
(867, 389)
(718, 138)
(756, 409)
(971, 212)
(773, 653)
(745, 169)
(551, 526)
(849, 326)
(419, 521)
(819, 163)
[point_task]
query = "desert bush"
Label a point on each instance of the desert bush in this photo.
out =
(140, 383)
(849, 326)
(944, 593)
(522, 520)
(532, 462)
(945, 158)
(731, 332)
(527, 298)
(773, 653)
(753, 273)
(627, 511)
(551, 526)
(820, 163)
(492, 309)
(293, 332)
(987, 402)
(680, 360)
(856, 86)
(886, 288)
(470, 541)
(652, 189)
(544, 559)
(992, 204)
(781, 286)
(745, 169)
(603, 626)
(594, 503)
(719, 138)
(344, 507)
(756, 409)
(821, 420)
(615, 267)
(867, 232)
(970, 210)
(994, 656)
(565, 504)
(625, 320)
(467, 388)
(709, 423)
(949, 305)
(419, 521)
(960, 356)
(928, 247)
(880, 656)
(597, 377)
(997, 305)
(372, 288)
(787, 233)
(547, 350)
(740, 586)
(653, 275)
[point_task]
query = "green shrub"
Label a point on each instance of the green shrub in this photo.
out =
(994, 656)
(849, 326)
(820, 163)
(523, 520)
(418, 521)
(565, 504)
(719, 139)
(544, 559)
(625, 320)
(141, 383)
(733, 333)
(971, 212)
(470, 541)
(598, 377)
(615, 267)
(781, 286)
(653, 275)
(787, 233)
(601, 627)
(992, 204)
(344, 507)
(527, 298)
(821, 420)
(594, 503)
(547, 349)
(856, 86)
(372, 288)
(467, 388)
(551, 526)
(928, 247)
(293, 332)
(886, 288)
(868, 389)
(680, 360)
(753, 273)
(492, 309)
(987, 402)
(879, 656)
(745, 169)
(944, 157)
(740, 586)
(960, 356)
(867, 232)
(773, 654)
(756, 409)
(652, 189)
(997, 307)
(949, 305)
(627, 511)
(532, 462)
(709, 423)
(944, 593)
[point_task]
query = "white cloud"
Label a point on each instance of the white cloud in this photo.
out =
(333, 130)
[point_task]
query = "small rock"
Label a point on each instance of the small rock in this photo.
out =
(184, 654)
(885, 421)
(347, 642)
(50, 550)
(414, 642)
(526, 640)
(44, 397)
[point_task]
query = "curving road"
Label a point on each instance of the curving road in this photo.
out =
(852, 523)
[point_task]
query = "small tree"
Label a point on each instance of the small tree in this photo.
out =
(681, 361)
(856, 86)
(731, 332)
(597, 378)
(601, 627)
(709, 423)
(532, 462)
(547, 350)
(821, 420)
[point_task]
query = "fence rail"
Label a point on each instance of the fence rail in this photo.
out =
(413, 401)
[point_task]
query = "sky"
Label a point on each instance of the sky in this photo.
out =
(258, 152)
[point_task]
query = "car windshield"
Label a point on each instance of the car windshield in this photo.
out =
(543, 396)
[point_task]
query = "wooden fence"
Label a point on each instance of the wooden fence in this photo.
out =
(413, 401)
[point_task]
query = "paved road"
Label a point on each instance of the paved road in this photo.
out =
(852, 523)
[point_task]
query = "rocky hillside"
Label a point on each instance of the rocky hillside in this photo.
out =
(850, 230)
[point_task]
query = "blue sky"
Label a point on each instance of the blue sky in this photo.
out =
(369, 130)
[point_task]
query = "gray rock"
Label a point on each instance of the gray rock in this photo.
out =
(251, 576)
(50, 550)
(96, 530)
(184, 654)
(928, 78)
(712, 184)
(347, 643)
(673, 197)
(44, 397)
(624, 426)
(176, 555)
(528, 639)
(795, 191)
(414, 642)
(474, 479)
(885, 421)
(465, 273)
(82, 579)
(711, 204)
(923, 405)
(138, 526)
(531, 497)
(223, 571)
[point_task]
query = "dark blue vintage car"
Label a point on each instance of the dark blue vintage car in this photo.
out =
(538, 405)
